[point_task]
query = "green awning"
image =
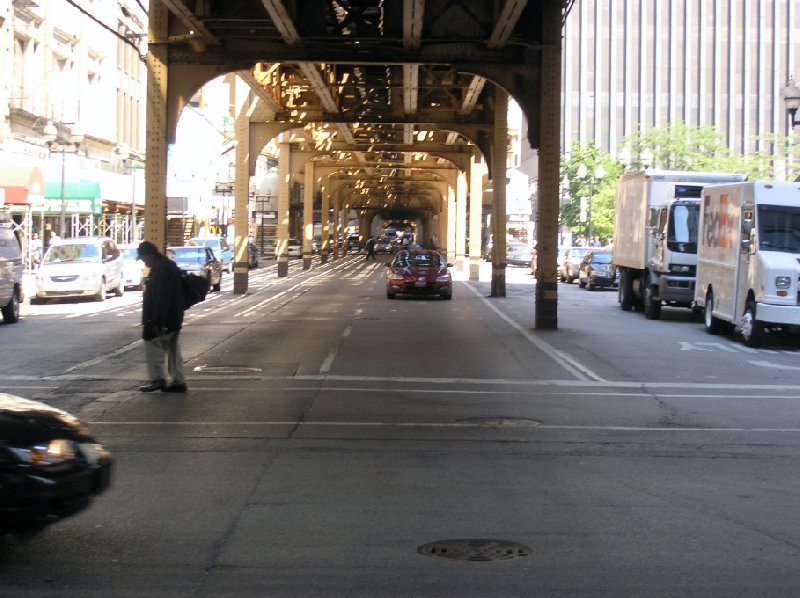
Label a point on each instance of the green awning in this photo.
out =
(82, 197)
(79, 190)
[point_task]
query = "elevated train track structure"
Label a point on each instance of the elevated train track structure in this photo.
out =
(394, 108)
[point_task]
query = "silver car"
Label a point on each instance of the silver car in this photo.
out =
(81, 267)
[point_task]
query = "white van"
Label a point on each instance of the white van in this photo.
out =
(748, 258)
(10, 274)
(81, 267)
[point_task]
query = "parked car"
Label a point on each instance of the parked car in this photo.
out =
(596, 270)
(10, 274)
(252, 255)
(419, 272)
(222, 249)
(571, 261)
(200, 261)
(132, 266)
(81, 267)
(294, 248)
(518, 254)
(50, 465)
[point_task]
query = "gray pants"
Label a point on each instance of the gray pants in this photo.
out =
(164, 359)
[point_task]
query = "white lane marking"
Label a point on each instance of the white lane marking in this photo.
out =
(775, 366)
(363, 424)
(102, 358)
(564, 359)
(347, 331)
(327, 363)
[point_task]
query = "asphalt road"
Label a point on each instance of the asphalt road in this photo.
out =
(337, 443)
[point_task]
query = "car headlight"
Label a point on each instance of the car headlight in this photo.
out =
(395, 276)
(680, 268)
(783, 282)
(42, 455)
(443, 278)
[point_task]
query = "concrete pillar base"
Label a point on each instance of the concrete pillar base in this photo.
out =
(240, 283)
(546, 317)
(498, 282)
(283, 269)
(306, 263)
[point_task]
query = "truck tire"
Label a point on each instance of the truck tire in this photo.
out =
(625, 291)
(651, 305)
(713, 325)
(752, 329)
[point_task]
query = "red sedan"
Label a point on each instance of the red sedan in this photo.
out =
(419, 272)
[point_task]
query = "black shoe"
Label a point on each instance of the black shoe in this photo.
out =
(153, 386)
(175, 388)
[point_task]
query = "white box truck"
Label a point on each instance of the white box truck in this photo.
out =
(655, 237)
(748, 260)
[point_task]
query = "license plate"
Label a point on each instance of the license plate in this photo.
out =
(420, 283)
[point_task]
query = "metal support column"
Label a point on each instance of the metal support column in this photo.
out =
(499, 148)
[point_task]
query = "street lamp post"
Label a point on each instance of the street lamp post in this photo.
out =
(124, 152)
(599, 173)
(59, 145)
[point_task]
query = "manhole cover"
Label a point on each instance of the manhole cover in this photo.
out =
(475, 550)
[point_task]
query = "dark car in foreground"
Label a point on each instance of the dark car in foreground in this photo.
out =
(200, 261)
(50, 465)
(596, 270)
(419, 272)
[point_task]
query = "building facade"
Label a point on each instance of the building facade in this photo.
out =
(72, 116)
(645, 63)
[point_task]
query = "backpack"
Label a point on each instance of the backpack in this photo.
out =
(195, 288)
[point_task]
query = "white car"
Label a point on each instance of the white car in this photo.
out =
(294, 248)
(132, 266)
(80, 267)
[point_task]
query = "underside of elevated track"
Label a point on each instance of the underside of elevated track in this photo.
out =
(385, 107)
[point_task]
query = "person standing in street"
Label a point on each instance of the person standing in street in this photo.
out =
(370, 247)
(162, 318)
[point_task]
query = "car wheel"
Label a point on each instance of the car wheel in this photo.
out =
(713, 325)
(590, 286)
(625, 291)
(390, 295)
(447, 296)
(120, 290)
(652, 306)
(218, 286)
(11, 310)
(581, 283)
(100, 295)
(752, 329)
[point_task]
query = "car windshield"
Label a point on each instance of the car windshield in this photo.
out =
(601, 258)
(60, 254)
(130, 253)
(187, 254)
(417, 260)
(579, 252)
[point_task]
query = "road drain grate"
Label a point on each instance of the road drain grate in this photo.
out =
(475, 550)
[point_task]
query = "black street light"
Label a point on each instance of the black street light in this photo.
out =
(59, 145)
(791, 99)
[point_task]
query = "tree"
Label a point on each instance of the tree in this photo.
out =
(601, 192)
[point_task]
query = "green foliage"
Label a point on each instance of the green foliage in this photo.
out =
(601, 191)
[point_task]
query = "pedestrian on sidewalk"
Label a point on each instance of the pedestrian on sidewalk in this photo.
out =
(162, 318)
(370, 247)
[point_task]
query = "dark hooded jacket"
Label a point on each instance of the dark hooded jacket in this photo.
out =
(163, 303)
